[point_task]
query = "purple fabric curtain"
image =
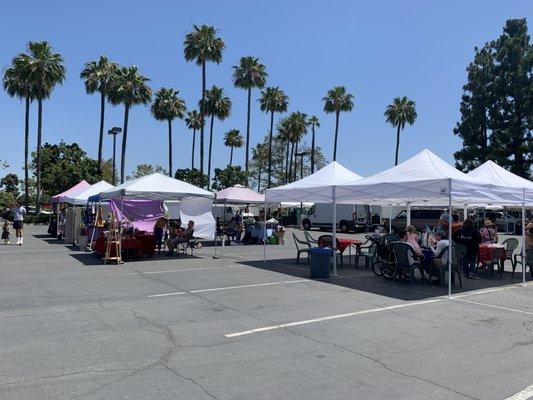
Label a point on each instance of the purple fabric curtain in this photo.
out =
(141, 213)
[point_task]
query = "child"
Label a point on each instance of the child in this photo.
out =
(6, 232)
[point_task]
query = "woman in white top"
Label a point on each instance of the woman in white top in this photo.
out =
(18, 222)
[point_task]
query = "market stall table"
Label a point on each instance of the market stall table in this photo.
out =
(343, 244)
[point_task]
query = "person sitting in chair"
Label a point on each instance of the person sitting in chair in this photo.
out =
(179, 236)
(441, 255)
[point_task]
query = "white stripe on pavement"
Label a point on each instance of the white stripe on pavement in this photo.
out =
(185, 270)
(525, 394)
(330, 317)
(231, 288)
(495, 306)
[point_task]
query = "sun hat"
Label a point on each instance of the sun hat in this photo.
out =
(166, 216)
(488, 222)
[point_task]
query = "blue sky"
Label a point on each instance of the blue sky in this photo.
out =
(378, 50)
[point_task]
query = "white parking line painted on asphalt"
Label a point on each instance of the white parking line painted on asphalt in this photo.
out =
(495, 306)
(331, 317)
(186, 269)
(231, 288)
(525, 394)
(485, 291)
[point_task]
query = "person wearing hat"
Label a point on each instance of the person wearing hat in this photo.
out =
(159, 228)
(489, 235)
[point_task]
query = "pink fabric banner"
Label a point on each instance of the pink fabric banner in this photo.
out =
(141, 213)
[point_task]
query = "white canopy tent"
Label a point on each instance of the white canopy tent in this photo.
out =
(239, 194)
(426, 179)
(319, 187)
(80, 198)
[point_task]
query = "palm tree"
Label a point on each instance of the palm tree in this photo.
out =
(166, 107)
(259, 157)
(337, 100)
(16, 85)
(313, 121)
(402, 111)
(249, 74)
(284, 136)
(218, 105)
(202, 45)
(272, 100)
(98, 77)
(193, 122)
(232, 139)
(293, 128)
(129, 88)
(43, 70)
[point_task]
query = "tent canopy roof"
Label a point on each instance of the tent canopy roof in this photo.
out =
(74, 190)
(492, 172)
(239, 194)
(425, 179)
(317, 187)
(81, 198)
(155, 187)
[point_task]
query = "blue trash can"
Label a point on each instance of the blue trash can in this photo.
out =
(320, 259)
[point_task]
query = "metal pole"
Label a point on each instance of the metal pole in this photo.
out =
(265, 231)
(334, 245)
(450, 221)
(215, 256)
(408, 221)
(524, 238)
(114, 153)
(390, 218)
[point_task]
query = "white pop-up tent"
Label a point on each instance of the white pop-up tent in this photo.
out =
(80, 198)
(426, 179)
(319, 187)
(239, 194)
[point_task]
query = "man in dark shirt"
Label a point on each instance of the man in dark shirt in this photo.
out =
(470, 238)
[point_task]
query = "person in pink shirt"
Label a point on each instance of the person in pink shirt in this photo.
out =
(413, 239)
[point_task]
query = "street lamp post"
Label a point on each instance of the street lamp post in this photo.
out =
(114, 131)
(301, 155)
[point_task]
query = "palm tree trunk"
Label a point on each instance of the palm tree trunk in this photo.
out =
(313, 150)
(231, 156)
(336, 135)
(290, 164)
(101, 135)
(270, 149)
(295, 162)
(202, 126)
(259, 179)
(26, 152)
(287, 164)
(170, 148)
(39, 141)
(193, 146)
(210, 147)
(397, 145)
(248, 129)
(124, 141)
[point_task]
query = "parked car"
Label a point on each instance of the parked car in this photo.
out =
(419, 219)
(504, 221)
(349, 217)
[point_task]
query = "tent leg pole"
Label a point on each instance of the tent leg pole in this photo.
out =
(450, 221)
(264, 232)
(334, 228)
(408, 220)
(390, 218)
(524, 240)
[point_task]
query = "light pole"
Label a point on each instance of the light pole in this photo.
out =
(114, 131)
(301, 155)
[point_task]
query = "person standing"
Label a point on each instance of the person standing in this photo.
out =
(159, 228)
(469, 237)
(489, 235)
(18, 222)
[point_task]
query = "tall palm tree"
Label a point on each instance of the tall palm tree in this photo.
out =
(272, 100)
(249, 74)
(16, 85)
(336, 101)
(129, 88)
(166, 107)
(296, 125)
(402, 111)
(193, 122)
(202, 45)
(98, 77)
(218, 105)
(232, 139)
(313, 121)
(284, 137)
(44, 70)
(259, 156)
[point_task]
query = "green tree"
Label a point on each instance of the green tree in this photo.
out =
(166, 107)
(402, 111)
(313, 122)
(16, 84)
(194, 122)
(337, 100)
(296, 126)
(192, 176)
(260, 158)
(230, 176)
(129, 88)
(108, 174)
(272, 100)
(218, 105)
(44, 70)
(98, 77)
(249, 74)
(10, 183)
(146, 169)
(233, 139)
(202, 45)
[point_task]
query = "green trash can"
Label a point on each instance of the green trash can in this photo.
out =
(320, 259)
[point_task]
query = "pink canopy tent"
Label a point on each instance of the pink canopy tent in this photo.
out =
(239, 194)
(73, 191)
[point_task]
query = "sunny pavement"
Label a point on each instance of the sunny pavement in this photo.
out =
(71, 328)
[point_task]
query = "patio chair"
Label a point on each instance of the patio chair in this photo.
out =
(497, 257)
(327, 241)
(458, 255)
(302, 246)
(404, 268)
(390, 238)
(529, 261)
(510, 246)
(369, 255)
(310, 239)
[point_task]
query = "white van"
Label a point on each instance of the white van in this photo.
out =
(350, 217)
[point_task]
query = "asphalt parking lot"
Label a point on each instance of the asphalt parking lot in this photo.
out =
(239, 328)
